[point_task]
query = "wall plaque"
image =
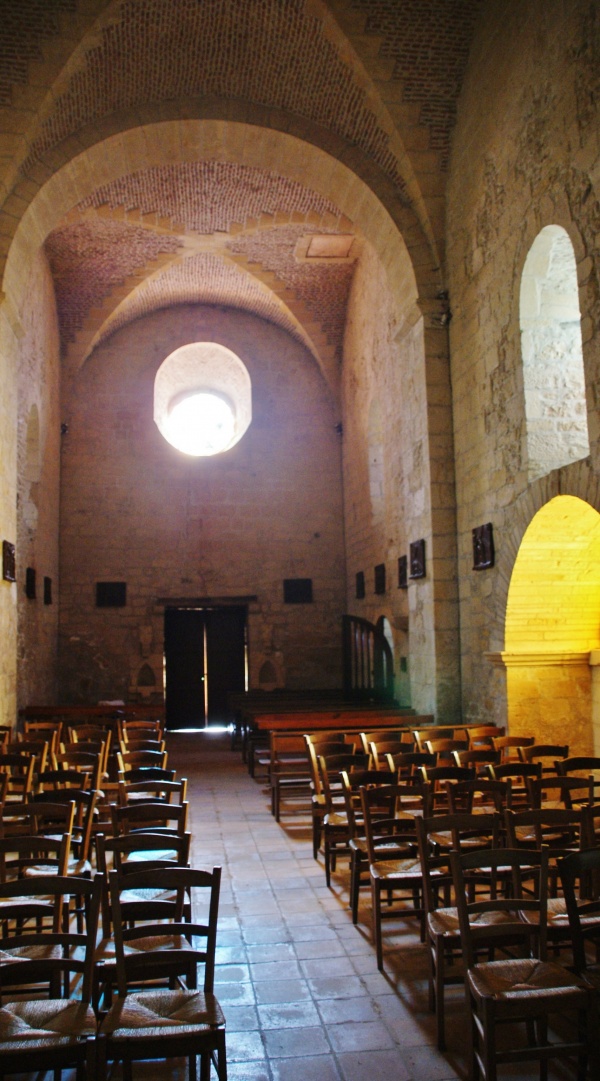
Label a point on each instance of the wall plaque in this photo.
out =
(483, 547)
(9, 569)
(417, 559)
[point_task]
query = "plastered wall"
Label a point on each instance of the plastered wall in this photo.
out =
(525, 155)
(134, 509)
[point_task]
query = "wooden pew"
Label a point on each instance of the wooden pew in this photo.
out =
(331, 721)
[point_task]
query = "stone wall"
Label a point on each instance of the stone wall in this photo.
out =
(386, 470)
(134, 509)
(38, 450)
(525, 156)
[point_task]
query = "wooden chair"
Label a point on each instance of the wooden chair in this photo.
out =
(151, 790)
(157, 816)
(165, 1023)
(380, 748)
(444, 749)
(128, 760)
(336, 828)
(400, 735)
(580, 876)
(408, 763)
(39, 748)
(546, 753)
(441, 917)
(509, 746)
(478, 796)
(437, 777)
(477, 758)
(133, 852)
(314, 747)
(394, 866)
(86, 760)
(50, 1032)
(352, 782)
(140, 729)
(582, 765)
(48, 731)
(80, 860)
(47, 856)
(526, 989)
(518, 772)
(482, 735)
(422, 735)
(556, 791)
(289, 774)
(559, 831)
(61, 780)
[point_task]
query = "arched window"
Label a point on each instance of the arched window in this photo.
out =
(553, 376)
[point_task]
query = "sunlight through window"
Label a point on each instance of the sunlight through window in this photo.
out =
(201, 424)
(202, 399)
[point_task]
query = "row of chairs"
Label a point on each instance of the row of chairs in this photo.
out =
(525, 777)
(154, 932)
(439, 871)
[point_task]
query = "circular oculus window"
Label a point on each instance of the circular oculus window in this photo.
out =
(202, 399)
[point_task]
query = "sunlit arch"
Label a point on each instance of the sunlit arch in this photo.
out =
(553, 625)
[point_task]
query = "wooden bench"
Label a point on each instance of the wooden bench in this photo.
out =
(351, 717)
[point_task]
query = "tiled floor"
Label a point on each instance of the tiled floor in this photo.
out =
(298, 982)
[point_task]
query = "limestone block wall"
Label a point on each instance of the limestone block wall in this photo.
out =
(386, 471)
(38, 455)
(134, 509)
(525, 155)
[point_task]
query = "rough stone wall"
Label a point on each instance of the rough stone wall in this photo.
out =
(525, 155)
(386, 470)
(134, 509)
(38, 459)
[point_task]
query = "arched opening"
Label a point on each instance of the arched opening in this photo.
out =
(553, 375)
(553, 626)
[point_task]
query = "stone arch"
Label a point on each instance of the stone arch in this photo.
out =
(552, 624)
(384, 219)
(552, 356)
(577, 480)
(45, 97)
(180, 141)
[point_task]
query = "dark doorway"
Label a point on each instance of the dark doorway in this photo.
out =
(205, 659)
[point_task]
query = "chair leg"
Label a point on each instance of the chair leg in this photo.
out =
(354, 884)
(316, 838)
(488, 1040)
(376, 902)
(439, 994)
(328, 860)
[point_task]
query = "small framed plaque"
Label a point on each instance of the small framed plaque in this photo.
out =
(380, 578)
(360, 585)
(483, 547)
(9, 568)
(30, 590)
(417, 559)
(402, 572)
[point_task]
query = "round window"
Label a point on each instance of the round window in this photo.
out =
(202, 399)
